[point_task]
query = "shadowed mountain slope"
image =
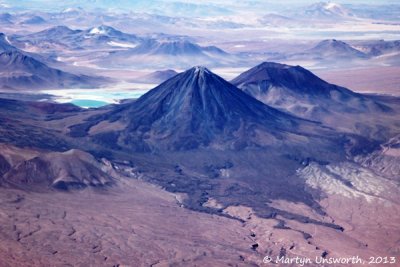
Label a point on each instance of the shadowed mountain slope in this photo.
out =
(298, 91)
(25, 124)
(197, 109)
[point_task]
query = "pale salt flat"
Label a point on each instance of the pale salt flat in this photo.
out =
(109, 95)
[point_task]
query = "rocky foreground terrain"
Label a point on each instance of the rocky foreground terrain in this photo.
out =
(134, 223)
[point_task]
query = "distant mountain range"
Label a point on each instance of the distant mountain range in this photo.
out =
(110, 47)
(168, 54)
(314, 14)
(309, 15)
(378, 47)
(113, 48)
(25, 18)
(331, 12)
(330, 53)
(92, 38)
(326, 11)
(103, 37)
(19, 70)
(122, 49)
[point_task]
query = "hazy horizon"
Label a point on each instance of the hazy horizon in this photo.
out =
(179, 8)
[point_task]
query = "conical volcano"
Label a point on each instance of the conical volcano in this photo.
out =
(198, 98)
(261, 78)
(298, 91)
(191, 110)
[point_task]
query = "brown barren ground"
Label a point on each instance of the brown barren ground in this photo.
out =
(380, 80)
(140, 225)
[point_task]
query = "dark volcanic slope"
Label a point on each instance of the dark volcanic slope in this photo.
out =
(298, 91)
(196, 109)
(295, 78)
(23, 124)
(295, 89)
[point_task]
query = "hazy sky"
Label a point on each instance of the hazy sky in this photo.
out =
(180, 6)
